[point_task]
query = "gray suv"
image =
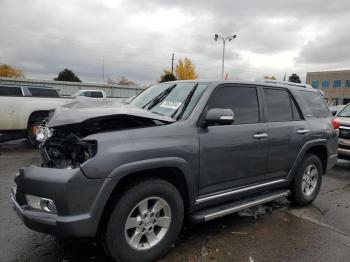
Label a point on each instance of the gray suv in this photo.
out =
(131, 174)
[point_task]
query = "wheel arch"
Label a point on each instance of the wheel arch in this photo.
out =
(317, 147)
(37, 114)
(175, 171)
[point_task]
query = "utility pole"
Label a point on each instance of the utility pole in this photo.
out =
(172, 63)
(103, 68)
(224, 39)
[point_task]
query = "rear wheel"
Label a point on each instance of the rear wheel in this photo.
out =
(144, 222)
(307, 182)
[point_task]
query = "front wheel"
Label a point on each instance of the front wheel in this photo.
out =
(307, 181)
(144, 222)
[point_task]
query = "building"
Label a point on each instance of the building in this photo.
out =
(68, 88)
(335, 84)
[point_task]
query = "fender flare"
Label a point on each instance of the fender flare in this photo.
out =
(112, 181)
(302, 153)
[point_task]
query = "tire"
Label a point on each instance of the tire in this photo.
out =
(118, 242)
(307, 181)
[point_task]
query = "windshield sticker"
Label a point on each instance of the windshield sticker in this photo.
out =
(171, 104)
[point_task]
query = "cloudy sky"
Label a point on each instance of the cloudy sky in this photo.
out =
(136, 38)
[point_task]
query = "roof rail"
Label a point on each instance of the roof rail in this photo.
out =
(287, 83)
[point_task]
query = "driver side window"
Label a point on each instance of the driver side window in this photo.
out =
(243, 101)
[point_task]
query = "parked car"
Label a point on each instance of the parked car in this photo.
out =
(90, 93)
(343, 118)
(22, 108)
(336, 109)
(131, 174)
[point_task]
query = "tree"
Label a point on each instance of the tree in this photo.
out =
(67, 75)
(167, 76)
(294, 78)
(185, 70)
(9, 71)
(270, 78)
(125, 82)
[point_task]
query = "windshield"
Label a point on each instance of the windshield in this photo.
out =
(175, 100)
(345, 112)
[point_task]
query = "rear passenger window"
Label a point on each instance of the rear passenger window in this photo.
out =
(41, 92)
(315, 103)
(278, 105)
(243, 101)
(10, 91)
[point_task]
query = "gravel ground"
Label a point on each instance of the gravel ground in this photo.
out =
(319, 232)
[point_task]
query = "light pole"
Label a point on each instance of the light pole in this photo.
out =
(224, 39)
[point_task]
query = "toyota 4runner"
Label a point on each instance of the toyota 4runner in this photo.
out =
(131, 174)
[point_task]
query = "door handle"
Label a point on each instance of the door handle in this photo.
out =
(260, 135)
(303, 131)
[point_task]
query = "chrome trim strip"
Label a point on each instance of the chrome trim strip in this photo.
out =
(236, 191)
(244, 206)
(303, 131)
(260, 135)
(344, 127)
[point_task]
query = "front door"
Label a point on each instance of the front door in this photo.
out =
(233, 155)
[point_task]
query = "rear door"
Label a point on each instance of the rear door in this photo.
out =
(287, 130)
(233, 155)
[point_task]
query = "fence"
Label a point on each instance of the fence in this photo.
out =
(68, 88)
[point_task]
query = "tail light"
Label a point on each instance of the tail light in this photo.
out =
(336, 123)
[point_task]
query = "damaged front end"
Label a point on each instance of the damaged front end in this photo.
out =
(67, 151)
(63, 142)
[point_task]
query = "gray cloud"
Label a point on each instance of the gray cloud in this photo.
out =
(136, 38)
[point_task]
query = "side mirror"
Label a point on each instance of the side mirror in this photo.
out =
(219, 116)
(334, 112)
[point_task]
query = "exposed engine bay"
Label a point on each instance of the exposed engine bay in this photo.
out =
(64, 146)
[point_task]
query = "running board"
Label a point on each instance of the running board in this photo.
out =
(226, 209)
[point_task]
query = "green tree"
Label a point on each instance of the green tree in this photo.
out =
(167, 76)
(9, 71)
(67, 75)
(294, 78)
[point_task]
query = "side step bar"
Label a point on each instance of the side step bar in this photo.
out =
(226, 209)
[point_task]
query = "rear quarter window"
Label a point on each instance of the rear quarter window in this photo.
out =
(10, 91)
(315, 103)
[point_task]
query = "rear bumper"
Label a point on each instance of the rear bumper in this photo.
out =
(74, 197)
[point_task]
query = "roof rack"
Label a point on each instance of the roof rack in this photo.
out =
(287, 83)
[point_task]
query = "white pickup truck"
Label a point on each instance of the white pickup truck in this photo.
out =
(22, 108)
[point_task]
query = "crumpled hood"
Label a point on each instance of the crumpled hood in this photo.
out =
(79, 111)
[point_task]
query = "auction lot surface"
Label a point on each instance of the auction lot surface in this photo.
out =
(320, 232)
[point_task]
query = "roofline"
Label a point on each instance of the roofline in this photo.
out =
(329, 71)
(275, 83)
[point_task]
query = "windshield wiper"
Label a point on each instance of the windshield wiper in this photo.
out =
(187, 101)
(152, 103)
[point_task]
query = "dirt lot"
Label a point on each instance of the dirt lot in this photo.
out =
(319, 232)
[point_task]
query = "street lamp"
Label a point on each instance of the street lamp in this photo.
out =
(224, 39)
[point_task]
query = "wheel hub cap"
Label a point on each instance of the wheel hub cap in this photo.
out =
(310, 179)
(147, 223)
